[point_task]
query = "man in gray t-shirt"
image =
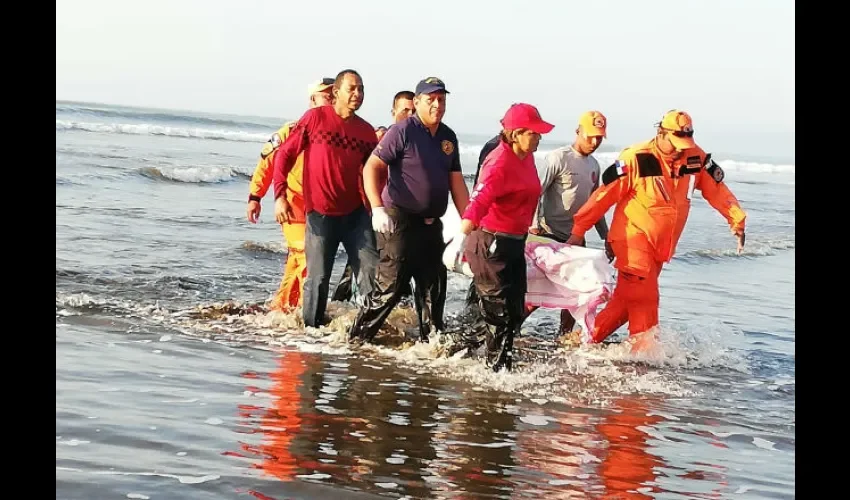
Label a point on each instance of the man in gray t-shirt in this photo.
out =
(567, 178)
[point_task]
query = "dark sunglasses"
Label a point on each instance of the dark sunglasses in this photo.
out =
(679, 133)
(328, 81)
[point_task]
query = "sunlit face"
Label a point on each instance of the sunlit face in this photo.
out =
(587, 144)
(321, 99)
(430, 107)
(526, 140)
(350, 92)
(662, 139)
(403, 108)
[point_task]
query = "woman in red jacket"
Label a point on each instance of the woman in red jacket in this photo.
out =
(494, 227)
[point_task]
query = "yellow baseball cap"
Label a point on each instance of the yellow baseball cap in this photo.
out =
(593, 123)
(681, 128)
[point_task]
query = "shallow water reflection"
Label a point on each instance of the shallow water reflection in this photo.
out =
(372, 427)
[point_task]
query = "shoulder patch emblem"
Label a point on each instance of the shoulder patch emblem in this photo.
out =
(715, 171)
(718, 174)
(594, 176)
(270, 145)
(447, 147)
(476, 191)
(616, 170)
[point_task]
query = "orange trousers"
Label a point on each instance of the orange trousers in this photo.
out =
(635, 299)
(288, 296)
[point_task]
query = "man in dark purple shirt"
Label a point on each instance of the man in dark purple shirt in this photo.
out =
(419, 165)
(422, 156)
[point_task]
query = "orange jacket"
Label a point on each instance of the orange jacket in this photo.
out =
(653, 198)
(263, 174)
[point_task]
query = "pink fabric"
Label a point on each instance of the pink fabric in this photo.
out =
(561, 276)
(574, 278)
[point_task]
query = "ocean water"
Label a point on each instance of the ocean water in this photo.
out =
(173, 382)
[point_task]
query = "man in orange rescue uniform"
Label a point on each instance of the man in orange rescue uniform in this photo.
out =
(652, 184)
(288, 296)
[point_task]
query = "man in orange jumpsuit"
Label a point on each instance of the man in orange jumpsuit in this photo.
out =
(651, 184)
(288, 295)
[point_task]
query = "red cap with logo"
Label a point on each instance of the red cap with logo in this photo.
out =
(525, 116)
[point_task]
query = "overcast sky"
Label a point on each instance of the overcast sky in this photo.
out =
(730, 63)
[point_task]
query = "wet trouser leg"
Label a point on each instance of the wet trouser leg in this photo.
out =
(343, 291)
(438, 293)
(473, 336)
(358, 239)
(498, 266)
(321, 243)
(567, 322)
(289, 293)
(392, 270)
(410, 250)
(420, 303)
(643, 301)
(324, 235)
(429, 275)
(635, 299)
(288, 296)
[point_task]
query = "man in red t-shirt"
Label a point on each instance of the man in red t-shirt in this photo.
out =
(335, 143)
(401, 110)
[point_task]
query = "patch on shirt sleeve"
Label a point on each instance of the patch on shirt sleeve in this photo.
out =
(476, 191)
(448, 147)
(616, 170)
(715, 171)
(270, 145)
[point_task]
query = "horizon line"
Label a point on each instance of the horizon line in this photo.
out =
(613, 147)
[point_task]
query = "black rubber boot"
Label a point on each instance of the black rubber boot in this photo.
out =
(500, 346)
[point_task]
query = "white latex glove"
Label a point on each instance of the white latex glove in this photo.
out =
(381, 221)
(453, 254)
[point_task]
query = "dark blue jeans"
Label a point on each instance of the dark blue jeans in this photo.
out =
(324, 234)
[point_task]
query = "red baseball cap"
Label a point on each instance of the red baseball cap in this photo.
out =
(525, 116)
